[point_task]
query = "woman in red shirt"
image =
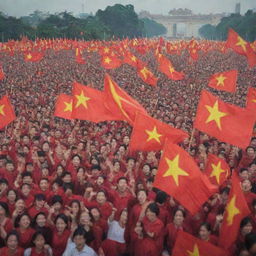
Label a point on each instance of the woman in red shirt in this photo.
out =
(61, 234)
(11, 200)
(103, 205)
(205, 234)
(25, 232)
(12, 248)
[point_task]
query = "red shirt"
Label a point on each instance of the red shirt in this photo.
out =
(25, 237)
(5, 252)
(59, 242)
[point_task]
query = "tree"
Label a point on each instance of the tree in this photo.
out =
(152, 28)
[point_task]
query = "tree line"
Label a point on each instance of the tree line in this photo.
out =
(244, 25)
(116, 21)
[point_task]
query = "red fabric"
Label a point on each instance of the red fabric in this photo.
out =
(25, 237)
(5, 252)
(59, 242)
(113, 248)
(7, 114)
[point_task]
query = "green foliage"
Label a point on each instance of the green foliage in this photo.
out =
(245, 26)
(152, 28)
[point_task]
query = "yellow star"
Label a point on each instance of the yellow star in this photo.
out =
(254, 100)
(215, 114)
(171, 69)
(106, 50)
(81, 99)
(232, 210)
(153, 135)
(220, 80)
(217, 171)
(174, 170)
(107, 60)
(145, 72)
(68, 106)
(2, 110)
(241, 43)
(134, 59)
(29, 56)
(195, 251)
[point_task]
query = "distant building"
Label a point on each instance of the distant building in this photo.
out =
(238, 8)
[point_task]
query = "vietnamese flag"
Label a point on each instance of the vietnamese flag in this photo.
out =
(33, 56)
(150, 134)
(110, 62)
(63, 106)
(179, 176)
(166, 67)
(235, 211)
(224, 121)
(132, 60)
(224, 81)
(188, 245)
(251, 98)
(217, 170)
(193, 53)
(88, 104)
(119, 102)
(7, 114)
(147, 76)
(2, 75)
(240, 46)
(79, 57)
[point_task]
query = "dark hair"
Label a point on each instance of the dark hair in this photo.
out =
(77, 156)
(63, 217)
(161, 197)
(143, 190)
(150, 179)
(250, 240)
(95, 167)
(12, 233)
(245, 221)
(225, 190)
(153, 207)
(56, 199)
(34, 224)
(17, 220)
(5, 207)
(122, 178)
(40, 197)
(206, 225)
(67, 186)
(80, 231)
(35, 235)
(25, 174)
(25, 184)
(178, 209)
(243, 169)
(4, 181)
(15, 192)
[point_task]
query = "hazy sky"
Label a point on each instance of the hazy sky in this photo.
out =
(24, 7)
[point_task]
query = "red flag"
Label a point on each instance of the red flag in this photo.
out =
(217, 169)
(224, 81)
(88, 104)
(110, 62)
(251, 98)
(235, 211)
(179, 176)
(33, 56)
(63, 106)
(79, 57)
(240, 46)
(132, 60)
(224, 121)
(7, 114)
(2, 75)
(147, 76)
(166, 67)
(119, 102)
(150, 134)
(188, 245)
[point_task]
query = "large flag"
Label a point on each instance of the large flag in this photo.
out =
(224, 121)
(166, 67)
(150, 134)
(251, 99)
(240, 46)
(63, 106)
(110, 62)
(235, 211)
(147, 76)
(88, 104)
(119, 102)
(132, 60)
(7, 114)
(224, 81)
(217, 169)
(188, 245)
(33, 56)
(179, 176)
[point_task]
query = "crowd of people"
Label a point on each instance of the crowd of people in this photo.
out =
(70, 187)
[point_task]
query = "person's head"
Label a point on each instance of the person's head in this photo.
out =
(39, 200)
(46, 146)
(246, 185)
(178, 217)
(244, 174)
(12, 195)
(101, 197)
(250, 243)
(44, 184)
(12, 240)
(250, 151)
(27, 177)
(61, 222)
(3, 185)
(68, 188)
(152, 212)
(142, 196)
(20, 205)
(146, 169)
(149, 183)
(100, 180)
(95, 213)
(122, 184)
(205, 231)
(38, 240)
(9, 166)
(23, 221)
(95, 170)
(4, 210)
(57, 202)
(245, 226)
(84, 218)
(123, 216)
(79, 238)
(66, 177)
(224, 192)
(59, 170)
(40, 219)
(75, 206)
(76, 160)
(161, 197)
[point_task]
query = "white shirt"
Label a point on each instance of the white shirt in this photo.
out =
(72, 251)
(116, 232)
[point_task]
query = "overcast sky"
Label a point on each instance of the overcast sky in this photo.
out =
(25, 7)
